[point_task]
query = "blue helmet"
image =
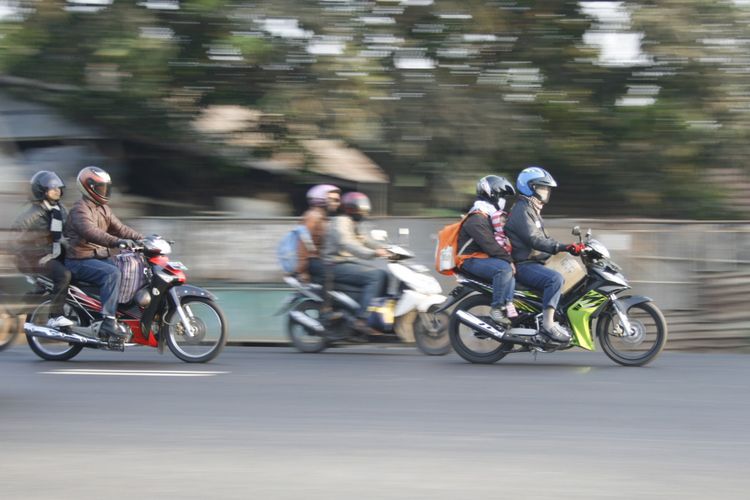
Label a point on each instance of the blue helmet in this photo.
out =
(531, 177)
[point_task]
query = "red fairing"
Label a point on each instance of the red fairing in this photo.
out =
(159, 260)
(138, 337)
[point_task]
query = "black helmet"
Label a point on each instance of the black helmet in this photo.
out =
(43, 181)
(493, 187)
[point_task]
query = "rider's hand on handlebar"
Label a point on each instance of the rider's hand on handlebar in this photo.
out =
(575, 248)
(126, 244)
(382, 252)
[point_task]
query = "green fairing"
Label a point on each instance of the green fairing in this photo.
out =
(579, 316)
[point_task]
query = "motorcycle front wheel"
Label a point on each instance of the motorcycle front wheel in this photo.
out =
(430, 333)
(49, 349)
(207, 334)
(471, 344)
(640, 346)
(300, 336)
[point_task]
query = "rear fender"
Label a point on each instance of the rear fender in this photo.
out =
(457, 294)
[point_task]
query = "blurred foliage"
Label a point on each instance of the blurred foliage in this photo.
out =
(440, 92)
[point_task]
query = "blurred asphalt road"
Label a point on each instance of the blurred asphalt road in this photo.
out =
(373, 423)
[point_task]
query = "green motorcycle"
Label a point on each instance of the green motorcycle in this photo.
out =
(631, 330)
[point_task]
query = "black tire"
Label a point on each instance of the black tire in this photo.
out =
(300, 336)
(210, 331)
(644, 346)
(432, 338)
(52, 350)
(468, 343)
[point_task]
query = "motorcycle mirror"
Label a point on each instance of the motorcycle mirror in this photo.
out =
(588, 234)
(379, 235)
(576, 231)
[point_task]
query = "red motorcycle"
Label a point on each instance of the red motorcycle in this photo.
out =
(164, 310)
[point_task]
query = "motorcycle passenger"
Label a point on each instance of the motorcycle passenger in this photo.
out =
(484, 255)
(347, 250)
(532, 246)
(39, 247)
(324, 201)
(95, 233)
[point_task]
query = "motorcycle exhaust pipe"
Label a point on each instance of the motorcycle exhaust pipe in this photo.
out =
(51, 333)
(306, 321)
(477, 324)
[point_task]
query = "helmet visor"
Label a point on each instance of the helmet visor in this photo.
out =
(101, 189)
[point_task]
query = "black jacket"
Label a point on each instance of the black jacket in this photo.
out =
(478, 226)
(525, 228)
(33, 239)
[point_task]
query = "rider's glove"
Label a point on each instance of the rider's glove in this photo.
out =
(126, 244)
(574, 248)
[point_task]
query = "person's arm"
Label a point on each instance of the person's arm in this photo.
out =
(117, 228)
(538, 240)
(82, 222)
(33, 218)
(477, 227)
(348, 240)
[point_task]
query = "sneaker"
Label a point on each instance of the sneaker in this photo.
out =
(59, 322)
(510, 310)
(557, 333)
(498, 316)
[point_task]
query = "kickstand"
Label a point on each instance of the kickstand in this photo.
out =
(535, 353)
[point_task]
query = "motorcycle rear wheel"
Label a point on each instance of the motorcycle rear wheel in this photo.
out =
(299, 335)
(48, 349)
(209, 335)
(470, 344)
(644, 345)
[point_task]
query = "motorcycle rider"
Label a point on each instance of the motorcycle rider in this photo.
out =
(346, 249)
(532, 246)
(323, 201)
(94, 233)
(483, 255)
(39, 247)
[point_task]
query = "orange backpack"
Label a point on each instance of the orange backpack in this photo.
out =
(448, 257)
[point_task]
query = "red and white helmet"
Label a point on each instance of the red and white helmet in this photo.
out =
(317, 196)
(95, 184)
(356, 203)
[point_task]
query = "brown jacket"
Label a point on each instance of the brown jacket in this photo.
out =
(93, 231)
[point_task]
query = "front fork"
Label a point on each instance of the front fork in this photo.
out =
(190, 330)
(623, 328)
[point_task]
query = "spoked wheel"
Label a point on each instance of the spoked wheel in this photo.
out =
(49, 349)
(471, 344)
(639, 346)
(301, 337)
(431, 333)
(205, 338)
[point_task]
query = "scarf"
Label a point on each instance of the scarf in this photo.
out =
(536, 203)
(55, 229)
(485, 207)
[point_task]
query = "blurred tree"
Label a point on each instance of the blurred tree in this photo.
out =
(438, 92)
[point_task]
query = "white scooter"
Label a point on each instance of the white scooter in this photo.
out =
(316, 321)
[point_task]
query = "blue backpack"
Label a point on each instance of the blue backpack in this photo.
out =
(288, 249)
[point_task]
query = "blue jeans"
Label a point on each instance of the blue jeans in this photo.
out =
(499, 272)
(370, 279)
(548, 281)
(102, 273)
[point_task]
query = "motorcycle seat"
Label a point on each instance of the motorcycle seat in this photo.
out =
(339, 287)
(487, 282)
